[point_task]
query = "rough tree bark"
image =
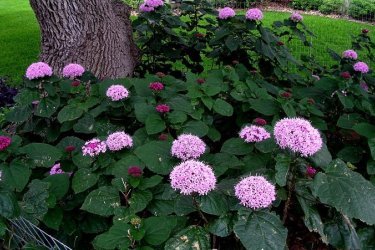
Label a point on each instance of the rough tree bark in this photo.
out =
(94, 33)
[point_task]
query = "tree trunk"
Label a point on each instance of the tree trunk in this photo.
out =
(94, 33)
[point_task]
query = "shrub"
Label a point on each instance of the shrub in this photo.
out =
(161, 162)
(306, 4)
(331, 6)
(362, 9)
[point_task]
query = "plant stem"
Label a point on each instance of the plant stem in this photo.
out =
(199, 210)
(291, 186)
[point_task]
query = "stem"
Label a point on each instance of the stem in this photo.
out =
(199, 210)
(291, 186)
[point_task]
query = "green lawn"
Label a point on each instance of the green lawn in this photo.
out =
(19, 36)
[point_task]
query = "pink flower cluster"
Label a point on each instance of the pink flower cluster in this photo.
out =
(193, 177)
(94, 147)
(188, 146)
(38, 70)
(350, 54)
(255, 192)
(56, 169)
(118, 141)
(5, 142)
(117, 92)
(361, 67)
(254, 133)
(254, 14)
(298, 135)
(150, 5)
(156, 86)
(163, 108)
(295, 17)
(226, 13)
(73, 70)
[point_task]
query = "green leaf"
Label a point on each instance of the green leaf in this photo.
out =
(139, 200)
(47, 106)
(69, 113)
(93, 224)
(102, 201)
(158, 229)
(282, 168)
(347, 191)
(322, 158)
(236, 146)
(53, 218)
(371, 144)
(221, 226)
(197, 128)
(59, 184)
(176, 117)
(16, 175)
(365, 129)
(265, 106)
(184, 205)
(180, 103)
(366, 236)
(371, 167)
(232, 43)
(214, 203)
(260, 230)
(266, 146)
(193, 237)
(154, 124)
(19, 114)
(289, 109)
(8, 204)
(351, 154)
(34, 202)
(156, 155)
(223, 108)
(85, 125)
(142, 111)
(150, 182)
(347, 121)
(83, 179)
(115, 238)
(42, 154)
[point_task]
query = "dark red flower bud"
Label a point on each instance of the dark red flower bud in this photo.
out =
(260, 121)
(311, 101)
(365, 31)
(310, 171)
(345, 75)
(135, 171)
(163, 137)
(75, 83)
(279, 43)
(286, 94)
(199, 35)
(160, 74)
(69, 148)
(200, 80)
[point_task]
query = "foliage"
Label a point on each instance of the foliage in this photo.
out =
(331, 7)
(362, 9)
(307, 4)
(98, 202)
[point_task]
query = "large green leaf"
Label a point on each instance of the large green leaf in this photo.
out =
(102, 201)
(236, 146)
(156, 155)
(115, 238)
(34, 202)
(365, 129)
(154, 124)
(265, 106)
(260, 230)
(214, 203)
(59, 184)
(16, 176)
(69, 113)
(322, 158)
(222, 226)
(42, 154)
(142, 111)
(282, 168)
(48, 106)
(158, 229)
(83, 179)
(347, 191)
(197, 128)
(139, 200)
(53, 218)
(8, 204)
(223, 108)
(19, 114)
(193, 237)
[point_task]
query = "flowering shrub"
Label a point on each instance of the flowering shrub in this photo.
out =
(198, 160)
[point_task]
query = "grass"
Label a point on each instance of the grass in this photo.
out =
(20, 37)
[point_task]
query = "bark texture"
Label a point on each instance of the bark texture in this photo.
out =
(94, 33)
